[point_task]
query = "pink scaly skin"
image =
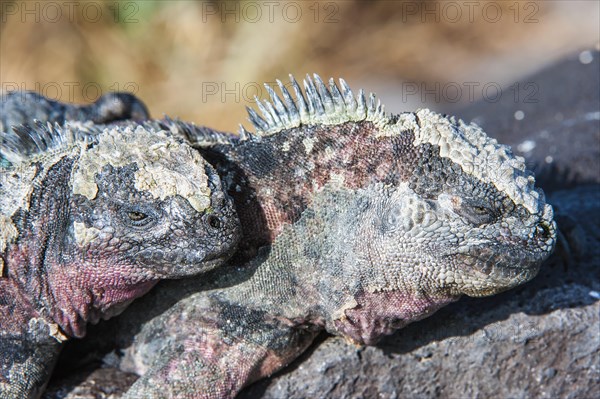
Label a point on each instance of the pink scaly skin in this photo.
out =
(354, 222)
(85, 231)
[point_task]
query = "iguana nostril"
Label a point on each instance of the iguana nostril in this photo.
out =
(542, 231)
(214, 221)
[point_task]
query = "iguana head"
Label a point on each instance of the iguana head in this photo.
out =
(407, 212)
(103, 221)
(157, 196)
(491, 227)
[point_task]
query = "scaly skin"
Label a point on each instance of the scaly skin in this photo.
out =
(353, 222)
(90, 222)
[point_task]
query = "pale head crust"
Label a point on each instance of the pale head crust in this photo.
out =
(166, 167)
(478, 155)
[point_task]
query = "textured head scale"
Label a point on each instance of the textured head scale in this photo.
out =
(165, 167)
(477, 154)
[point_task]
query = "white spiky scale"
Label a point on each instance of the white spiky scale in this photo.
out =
(361, 109)
(315, 107)
(326, 98)
(338, 100)
(349, 100)
(274, 115)
(294, 114)
(242, 132)
(371, 102)
(264, 110)
(256, 120)
(279, 111)
(300, 101)
(47, 139)
(319, 104)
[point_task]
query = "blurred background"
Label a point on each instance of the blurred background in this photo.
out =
(204, 61)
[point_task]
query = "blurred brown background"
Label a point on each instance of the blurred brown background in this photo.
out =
(204, 61)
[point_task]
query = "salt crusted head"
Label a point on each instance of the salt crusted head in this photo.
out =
(409, 212)
(104, 216)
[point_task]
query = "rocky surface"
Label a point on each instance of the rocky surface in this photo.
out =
(100, 383)
(539, 340)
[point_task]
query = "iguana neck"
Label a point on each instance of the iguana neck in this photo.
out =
(41, 223)
(49, 272)
(307, 279)
(30, 282)
(59, 286)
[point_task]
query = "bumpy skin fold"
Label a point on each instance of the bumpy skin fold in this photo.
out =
(89, 222)
(353, 222)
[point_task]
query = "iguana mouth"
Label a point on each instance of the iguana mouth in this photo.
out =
(187, 261)
(495, 268)
(490, 258)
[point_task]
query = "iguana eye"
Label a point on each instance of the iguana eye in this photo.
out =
(136, 216)
(475, 212)
(479, 215)
(481, 210)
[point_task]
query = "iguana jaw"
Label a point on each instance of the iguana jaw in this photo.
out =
(186, 261)
(485, 272)
(81, 293)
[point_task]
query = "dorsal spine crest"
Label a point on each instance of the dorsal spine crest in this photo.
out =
(25, 144)
(317, 104)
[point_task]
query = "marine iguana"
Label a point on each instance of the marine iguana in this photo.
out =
(89, 222)
(353, 221)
